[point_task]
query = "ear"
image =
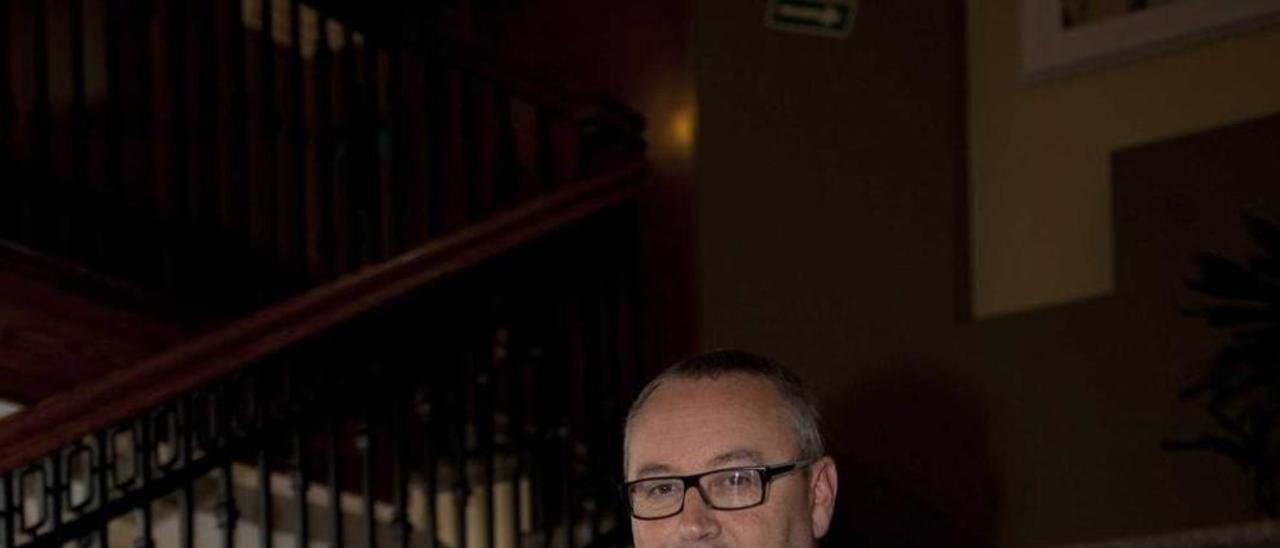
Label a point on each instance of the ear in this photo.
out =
(823, 484)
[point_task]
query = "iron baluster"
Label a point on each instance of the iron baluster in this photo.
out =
(484, 434)
(225, 416)
(171, 184)
(335, 483)
(290, 161)
(228, 513)
(142, 452)
(300, 485)
(515, 435)
(461, 488)
(200, 95)
(352, 237)
(267, 409)
(398, 442)
(79, 113)
(102, 469)
(111, 239)
(262, 138)
(564, 442)
(229, 65)
(266, 524)
(186, 451)
(53, 488)
(365, 446)
(392, 149)
(7, 127)
(429, 464)
(322, 196)
(6, 84)
(572, 366)
(147, 184)
(43, 116)
(9, 511)
(298, 138)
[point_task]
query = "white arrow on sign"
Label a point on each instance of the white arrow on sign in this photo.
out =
(827, 17)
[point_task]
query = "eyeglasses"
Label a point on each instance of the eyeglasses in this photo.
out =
(725, 489)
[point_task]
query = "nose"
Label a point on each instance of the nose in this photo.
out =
(697, 520)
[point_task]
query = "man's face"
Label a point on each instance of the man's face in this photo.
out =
(692, 426)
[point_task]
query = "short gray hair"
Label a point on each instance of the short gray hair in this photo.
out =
(712, 365)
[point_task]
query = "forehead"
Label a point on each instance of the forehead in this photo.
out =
(686, 423)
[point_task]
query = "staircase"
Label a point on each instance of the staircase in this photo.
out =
(307, 273)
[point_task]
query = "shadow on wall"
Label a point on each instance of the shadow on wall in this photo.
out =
(914, 462)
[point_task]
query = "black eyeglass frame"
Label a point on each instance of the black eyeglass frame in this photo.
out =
(767, 475)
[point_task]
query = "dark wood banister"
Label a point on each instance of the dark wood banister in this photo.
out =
(43, 428)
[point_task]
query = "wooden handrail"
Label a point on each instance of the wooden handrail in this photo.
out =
(60, 420)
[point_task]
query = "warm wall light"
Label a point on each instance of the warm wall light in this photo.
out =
(684, 128)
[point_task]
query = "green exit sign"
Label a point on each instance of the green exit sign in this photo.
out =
(833, 18)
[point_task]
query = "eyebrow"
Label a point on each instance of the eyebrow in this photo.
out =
(742, 455)
(653, 470)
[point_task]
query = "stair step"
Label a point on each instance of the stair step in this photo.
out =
(166, 517)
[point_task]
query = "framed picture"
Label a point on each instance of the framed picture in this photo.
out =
(1065, 36)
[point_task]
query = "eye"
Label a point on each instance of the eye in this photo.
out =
(738, 479)
(659, 490)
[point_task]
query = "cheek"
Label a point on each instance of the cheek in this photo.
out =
(649, 533)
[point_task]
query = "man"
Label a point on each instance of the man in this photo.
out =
(723, 449)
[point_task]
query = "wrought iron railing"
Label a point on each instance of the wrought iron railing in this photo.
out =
(481, 409)
(228, 153)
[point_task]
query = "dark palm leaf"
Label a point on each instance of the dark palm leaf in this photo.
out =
(1241, 388)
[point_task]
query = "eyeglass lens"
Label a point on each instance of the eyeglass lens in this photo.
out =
(723, 490)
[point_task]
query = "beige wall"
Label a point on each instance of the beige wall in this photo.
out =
(1040, 217)
(830, 207)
